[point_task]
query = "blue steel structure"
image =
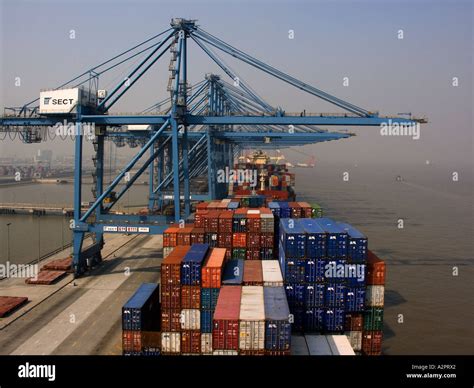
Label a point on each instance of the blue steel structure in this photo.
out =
(197, 130)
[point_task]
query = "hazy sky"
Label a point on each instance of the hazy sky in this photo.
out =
(332, 40)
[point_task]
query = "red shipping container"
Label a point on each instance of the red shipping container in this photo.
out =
(252, 254)
(228, 254)
(372, 343)
(184, 236)
(295, 209)
(201, 206)
(171, 297)
(131, 341)
(253, 221)
(190, 297)
(169, 236)
(212, 270)
(170, 320)
(239, 240)
(211, 221)
(197, 236)
(267, 240)
(191, 341)
(225, 221)
(171, 266)
(253, 240)
(375, 270)
(225, 332)
(354, 322)
(306, 210)
(253, 273)
(224, 240)
(199, 218)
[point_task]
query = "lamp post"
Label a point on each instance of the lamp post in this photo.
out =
(8, 241)
(39, 239)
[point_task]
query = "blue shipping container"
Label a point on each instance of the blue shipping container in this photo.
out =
(141, 310)
(209, 298)
(314, 295)
(336, 238)
(285, 210)
(275, 208)
(298, 323)
(314, 319)
(192, 263)
(206, 321)
(277, 315)
(233, 272)
(357, 244)
(355, 274)
(233, 205)
(335, 295)
(315, 270)
(334, 319)
(315, 239)
(355, 299)
(294, 270)
(293, 238)
(295, 294)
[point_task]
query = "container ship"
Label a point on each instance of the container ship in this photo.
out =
(259, 273)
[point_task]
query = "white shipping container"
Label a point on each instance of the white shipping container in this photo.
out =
(190, 319)
(355, 339)
(63, 101)
(268, 223)
(329, 345)
(272, 276)
(225, 353)
(374, 296)
(171, 342)
(206, 343)
(340, 345)
(252, 319)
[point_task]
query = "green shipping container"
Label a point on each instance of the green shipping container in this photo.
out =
(373, 319)
(239, 253)
(316, 211)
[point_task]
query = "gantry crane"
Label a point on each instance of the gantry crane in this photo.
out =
(198, 130)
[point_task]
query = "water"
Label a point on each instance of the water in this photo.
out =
(428, 310)
(436, 307)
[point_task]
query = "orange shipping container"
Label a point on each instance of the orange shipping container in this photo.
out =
(169, 236)
(171, 266)
(212, 270)
(375, 270)
(239, 240)
(184, 236)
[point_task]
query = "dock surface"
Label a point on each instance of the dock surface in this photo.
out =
(81, 316)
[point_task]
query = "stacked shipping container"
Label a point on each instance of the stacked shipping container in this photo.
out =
(245, 233)
(141, 322)
(211, 306)
(328, 285)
